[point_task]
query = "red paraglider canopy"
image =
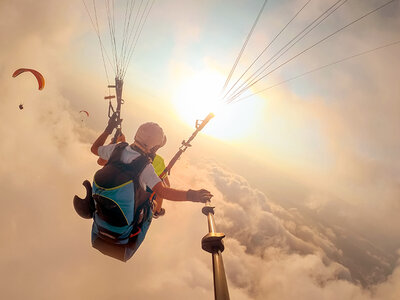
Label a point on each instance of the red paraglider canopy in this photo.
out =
(84, 111)
(38, 76)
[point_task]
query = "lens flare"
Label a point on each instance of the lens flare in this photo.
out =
(199, 95)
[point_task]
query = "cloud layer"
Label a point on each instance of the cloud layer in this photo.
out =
(329, 241)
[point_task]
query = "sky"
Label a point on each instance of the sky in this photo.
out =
(305, 175)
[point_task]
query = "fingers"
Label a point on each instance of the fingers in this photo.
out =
(205, 192)
(114, 119)
(205, 195)
(121, 138)
(199, 196)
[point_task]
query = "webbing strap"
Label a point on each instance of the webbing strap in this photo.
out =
(136, 233)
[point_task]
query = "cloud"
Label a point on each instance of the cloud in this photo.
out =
(329, 248)
(269, 249)
(259, 224)
(336, 133)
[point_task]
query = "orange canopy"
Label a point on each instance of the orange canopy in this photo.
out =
(38, 76)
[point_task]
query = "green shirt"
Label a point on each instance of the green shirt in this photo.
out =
(159, 165)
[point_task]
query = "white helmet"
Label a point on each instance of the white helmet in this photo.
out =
(150, 136)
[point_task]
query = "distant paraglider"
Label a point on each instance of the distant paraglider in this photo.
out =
(39, 78)
(84, 115)
(84, 112)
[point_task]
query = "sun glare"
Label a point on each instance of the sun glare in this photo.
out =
(199, 95)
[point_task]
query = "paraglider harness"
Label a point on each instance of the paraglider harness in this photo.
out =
(120, 225)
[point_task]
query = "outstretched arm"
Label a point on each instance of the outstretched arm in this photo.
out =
(180, 195)
(166, 181)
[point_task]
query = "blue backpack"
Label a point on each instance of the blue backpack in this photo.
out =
(123, 211)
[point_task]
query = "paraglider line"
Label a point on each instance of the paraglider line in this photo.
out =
(133, 29)
(319, 68)
(97, 31)
(244, 46)
(126, 25)
(315, 44)
(140, 32)
(244, 86)
(111, 28)
(266, 48)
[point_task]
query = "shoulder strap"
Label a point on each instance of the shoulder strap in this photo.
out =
(115, 172)
(133, 169)
(117, 152)
(141, 196)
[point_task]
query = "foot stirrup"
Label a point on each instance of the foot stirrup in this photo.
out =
(85, 207)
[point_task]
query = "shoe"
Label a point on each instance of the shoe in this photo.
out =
(158, 214)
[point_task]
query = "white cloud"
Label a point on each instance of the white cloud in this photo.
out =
(271, 252)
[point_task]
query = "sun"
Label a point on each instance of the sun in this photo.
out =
(200, 94)
(197, 96)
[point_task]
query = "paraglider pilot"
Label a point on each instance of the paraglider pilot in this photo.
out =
(120, 206)
(159, 166)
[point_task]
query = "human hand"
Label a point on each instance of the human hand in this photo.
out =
(113, 122)
(198, 196)
(121, 138)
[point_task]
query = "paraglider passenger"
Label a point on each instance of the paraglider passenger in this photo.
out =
(122, 209)
(159, 166)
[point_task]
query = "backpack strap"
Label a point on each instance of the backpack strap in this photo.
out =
(117, 152)
(115, 172)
